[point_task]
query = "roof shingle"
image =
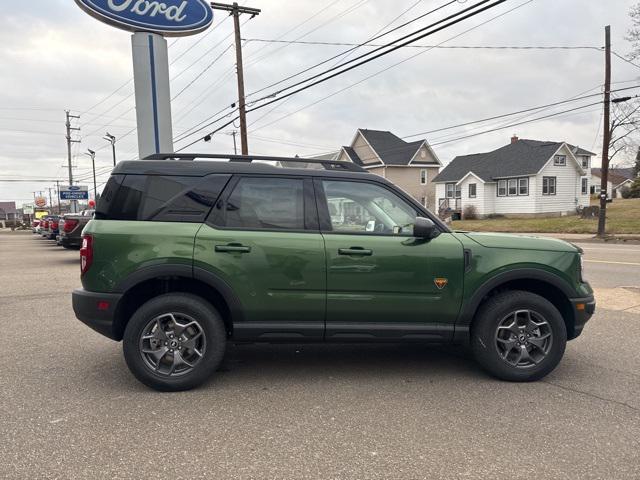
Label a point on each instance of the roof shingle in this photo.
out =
(523, 157)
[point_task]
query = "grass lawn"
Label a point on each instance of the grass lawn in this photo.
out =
(623, 216)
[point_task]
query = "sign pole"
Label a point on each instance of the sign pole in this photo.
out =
(153, 99)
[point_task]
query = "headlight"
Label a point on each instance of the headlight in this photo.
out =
(581, 267)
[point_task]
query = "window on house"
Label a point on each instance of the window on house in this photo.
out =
(423, 153)
(502, 188)
(585, 186)
(423, 177)
(513, 186)
(523, 186)
(548, 185)
(472, 190)
(585, 161)
(560, 160)
(450, 189)
(458, 191)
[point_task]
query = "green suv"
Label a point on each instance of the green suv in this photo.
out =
(185, 255)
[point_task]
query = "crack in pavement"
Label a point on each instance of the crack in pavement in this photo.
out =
(592, 395)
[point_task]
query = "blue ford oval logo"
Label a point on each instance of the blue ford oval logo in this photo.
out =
(167, 17)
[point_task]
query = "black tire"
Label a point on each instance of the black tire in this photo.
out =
(488, 350)
(213, 330)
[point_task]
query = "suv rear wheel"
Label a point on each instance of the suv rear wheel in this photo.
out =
(518, 336)
(174, 342)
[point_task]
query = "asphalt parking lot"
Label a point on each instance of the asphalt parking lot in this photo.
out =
(70, 408)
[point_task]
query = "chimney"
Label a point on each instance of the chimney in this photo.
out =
(514, 139)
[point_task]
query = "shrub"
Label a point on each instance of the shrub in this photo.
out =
(633, 191)
(470, 212)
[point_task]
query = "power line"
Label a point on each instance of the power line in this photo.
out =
(201, 73)
(495, 117)
(379, 72)
(625, 59)
(446, 25)
(516, 124)
(462, 47)
(375, 37)
(391, 45)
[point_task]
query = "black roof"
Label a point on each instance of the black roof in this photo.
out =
(190, 165)
(391, 149)
(523, 157)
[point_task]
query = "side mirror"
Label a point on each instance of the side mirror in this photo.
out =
(425, 228)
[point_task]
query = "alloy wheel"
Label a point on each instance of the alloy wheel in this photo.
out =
(523, 338)
(172, 344)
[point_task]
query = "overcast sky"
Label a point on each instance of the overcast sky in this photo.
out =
(53, 57)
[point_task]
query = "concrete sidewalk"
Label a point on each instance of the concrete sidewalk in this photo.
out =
(588, 237)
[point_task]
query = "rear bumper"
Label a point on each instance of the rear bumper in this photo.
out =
(583, 309)
(97, 310)
(70, 241)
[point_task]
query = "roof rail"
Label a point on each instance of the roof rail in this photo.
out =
(327, 164)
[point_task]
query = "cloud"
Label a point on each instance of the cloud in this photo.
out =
(55, 57)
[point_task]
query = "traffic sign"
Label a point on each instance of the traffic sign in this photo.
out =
(74, 192)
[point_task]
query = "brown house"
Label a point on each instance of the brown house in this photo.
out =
(410, 165)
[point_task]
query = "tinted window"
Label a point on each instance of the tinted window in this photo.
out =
(164, 198)
(266, 203)
(360, 207)
(107, 196)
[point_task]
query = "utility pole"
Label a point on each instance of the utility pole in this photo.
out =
(92, 154)
(236, 10)
(69, 142)
(112, 139)
(50, 198)
(58, 195)
(604, 171)
(235, 147)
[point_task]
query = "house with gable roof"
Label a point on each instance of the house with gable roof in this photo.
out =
(523, 178)
(617, 180)
(410, 165)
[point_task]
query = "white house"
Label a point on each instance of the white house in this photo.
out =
(617, 179)
(523, 178)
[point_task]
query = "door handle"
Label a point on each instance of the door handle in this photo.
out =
(233, 248)
(355, 251)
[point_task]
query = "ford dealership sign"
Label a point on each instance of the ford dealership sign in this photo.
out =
(166, 17)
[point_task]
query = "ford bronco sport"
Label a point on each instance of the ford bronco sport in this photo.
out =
(185, 256)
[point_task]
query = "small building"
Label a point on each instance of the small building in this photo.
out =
(618, 179)
(410, 165)
(8, 211)
(523, 178)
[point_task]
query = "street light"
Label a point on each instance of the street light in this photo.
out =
(92, 154)
(112, 139)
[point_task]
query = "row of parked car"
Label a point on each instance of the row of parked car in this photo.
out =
(66, 229)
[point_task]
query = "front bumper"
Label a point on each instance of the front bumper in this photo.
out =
(583, 309)
(97, 310)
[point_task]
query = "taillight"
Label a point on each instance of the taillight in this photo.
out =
(54, 225)
(69, 225)
(45, 224)
(86, 254)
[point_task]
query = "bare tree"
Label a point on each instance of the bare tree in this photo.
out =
(633, 34)
(625, 124)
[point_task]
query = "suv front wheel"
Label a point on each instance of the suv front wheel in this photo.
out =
(518, 336)
(174, 342)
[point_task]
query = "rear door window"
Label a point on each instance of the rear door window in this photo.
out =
(165, 198)
(266, 203)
